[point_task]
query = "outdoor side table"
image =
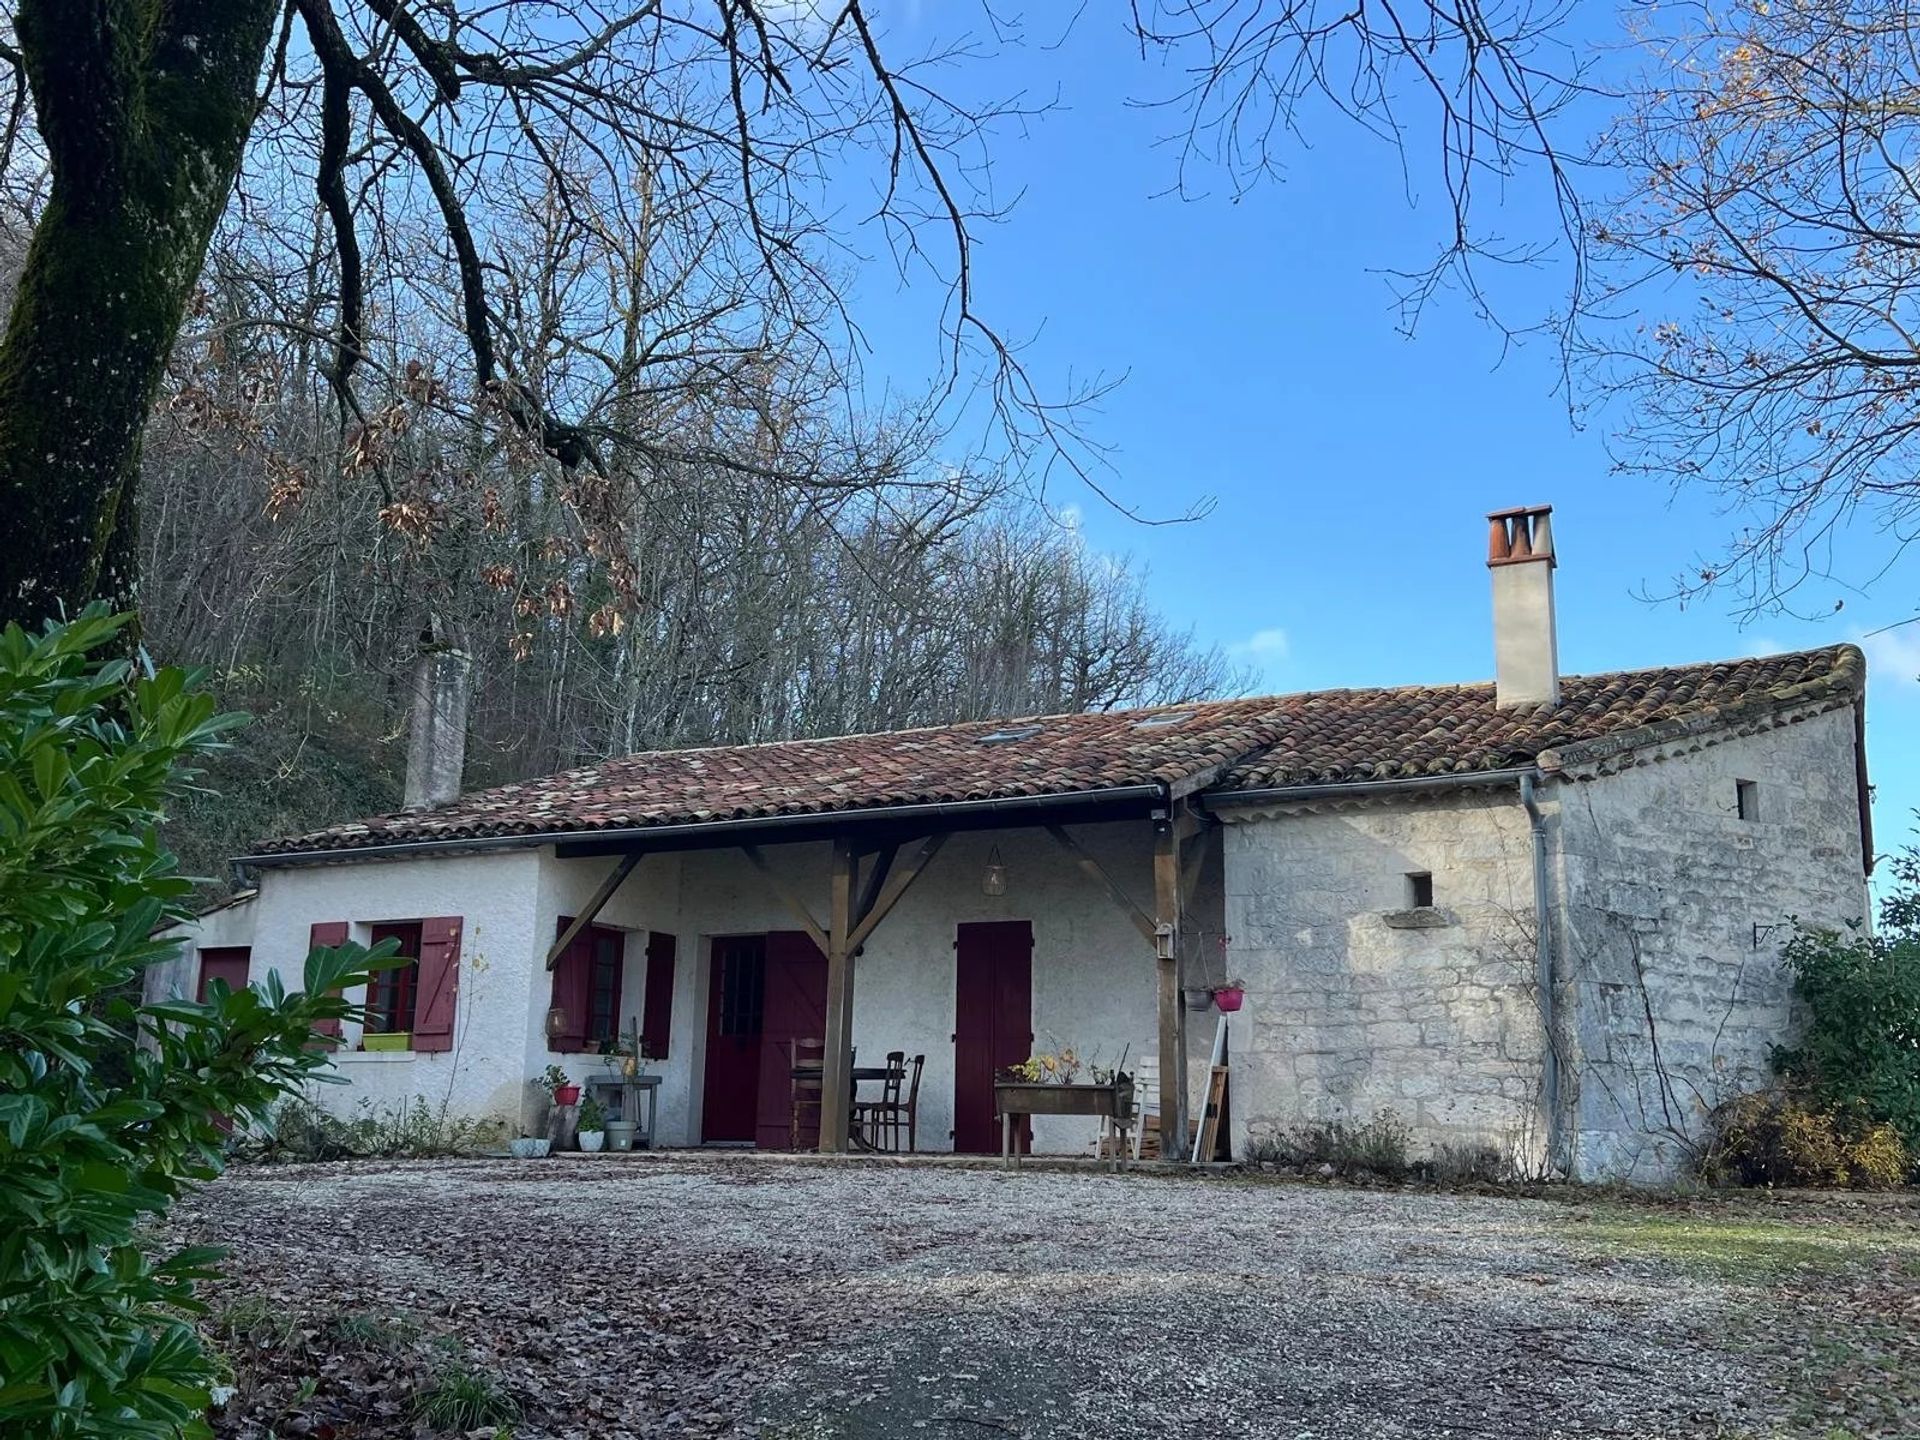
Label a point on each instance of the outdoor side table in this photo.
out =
(631, 1088)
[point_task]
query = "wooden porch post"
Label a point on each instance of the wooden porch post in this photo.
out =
(1173, 1014)
(836, 1098)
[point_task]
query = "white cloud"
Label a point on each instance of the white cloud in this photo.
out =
(1267, 646)
(1893, 658)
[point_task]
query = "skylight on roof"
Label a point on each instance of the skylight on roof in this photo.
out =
(1009, 734)
(1162, 720)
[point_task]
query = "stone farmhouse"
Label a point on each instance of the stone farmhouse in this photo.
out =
(1542, 914)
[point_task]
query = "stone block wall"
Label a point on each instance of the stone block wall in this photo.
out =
(1674, 910)
(1359, 1003)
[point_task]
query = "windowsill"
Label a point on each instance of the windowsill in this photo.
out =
(1420, 917)
(372, 1057)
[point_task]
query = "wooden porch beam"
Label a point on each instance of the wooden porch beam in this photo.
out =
(1173, 1012)
(600, 897)
(876, 876)
(1193, 860)
(789, 897)
(888, 895)
(836, 1077)
(1097, 872)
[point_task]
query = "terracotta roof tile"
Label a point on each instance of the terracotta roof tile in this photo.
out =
(1320, 737)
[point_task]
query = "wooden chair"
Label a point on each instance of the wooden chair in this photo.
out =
(809, 1088)
(896, 1114)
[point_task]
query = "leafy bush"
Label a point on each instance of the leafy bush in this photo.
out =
(1859, 1057)
(110, 1107)
(1779, 1137)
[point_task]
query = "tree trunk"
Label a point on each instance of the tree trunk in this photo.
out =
(144, 107)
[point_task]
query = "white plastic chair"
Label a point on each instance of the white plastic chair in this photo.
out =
(1146, 1099)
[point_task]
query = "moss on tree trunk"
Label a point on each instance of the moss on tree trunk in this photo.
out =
(144, 106)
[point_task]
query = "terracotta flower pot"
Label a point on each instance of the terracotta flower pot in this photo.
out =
(1229, 998)
(566, 1094)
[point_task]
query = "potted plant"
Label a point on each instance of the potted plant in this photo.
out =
(593, 1122)
(564, 1091)
(1230, 996)
(620, 1134)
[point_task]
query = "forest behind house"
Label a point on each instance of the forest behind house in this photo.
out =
(305, 561)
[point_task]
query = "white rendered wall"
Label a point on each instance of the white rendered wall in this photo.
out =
(1093, 974)
(495, 894)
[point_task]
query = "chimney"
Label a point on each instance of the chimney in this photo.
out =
(1526, 651)
(437, 738)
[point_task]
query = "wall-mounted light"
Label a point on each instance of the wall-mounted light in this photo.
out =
(994, 882)
(556, 1022)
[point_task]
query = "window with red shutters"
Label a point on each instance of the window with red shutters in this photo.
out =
(437, 991)
(587, 983)
(391, 994)
(608, 949)
(229, 963)
(325, 936)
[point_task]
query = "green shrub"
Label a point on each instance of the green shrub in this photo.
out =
(1859, 1056)
(109, 1107)
(1779, 1137)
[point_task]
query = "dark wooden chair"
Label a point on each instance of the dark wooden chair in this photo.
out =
(809, 1089)
(895, 1115)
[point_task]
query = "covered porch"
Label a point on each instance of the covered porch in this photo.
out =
(949, 942)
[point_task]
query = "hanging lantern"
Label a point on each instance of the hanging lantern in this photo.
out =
(994, 882)
(556, 1022)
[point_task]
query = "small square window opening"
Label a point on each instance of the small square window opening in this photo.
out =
(1420, 890)
(1746, 799)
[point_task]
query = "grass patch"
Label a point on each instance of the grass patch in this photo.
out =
(1737, 1247)
(462, 1398)
(364, 1327)
(252, 1320)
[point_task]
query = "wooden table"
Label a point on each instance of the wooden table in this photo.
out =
(1112, 1103)
(817, 1074)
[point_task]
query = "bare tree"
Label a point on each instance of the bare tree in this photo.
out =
(1759, 277)
(437, 120)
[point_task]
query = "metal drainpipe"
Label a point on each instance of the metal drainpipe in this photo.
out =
(1543, 967)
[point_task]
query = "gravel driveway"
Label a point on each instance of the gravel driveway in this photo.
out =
(732, 1295)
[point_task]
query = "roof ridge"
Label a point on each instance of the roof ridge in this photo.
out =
(1302, 737)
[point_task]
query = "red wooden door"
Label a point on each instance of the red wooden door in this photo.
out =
(796, 1009)
(228, 964)
(993, 1025)
(736, 996)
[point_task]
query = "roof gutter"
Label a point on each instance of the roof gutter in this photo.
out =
(722, 830)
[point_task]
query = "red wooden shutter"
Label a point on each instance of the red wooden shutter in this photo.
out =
(324, 936)
(436, 997)
(656, 1022)
(572, 993)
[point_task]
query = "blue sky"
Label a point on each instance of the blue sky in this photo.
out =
(1350, 466)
